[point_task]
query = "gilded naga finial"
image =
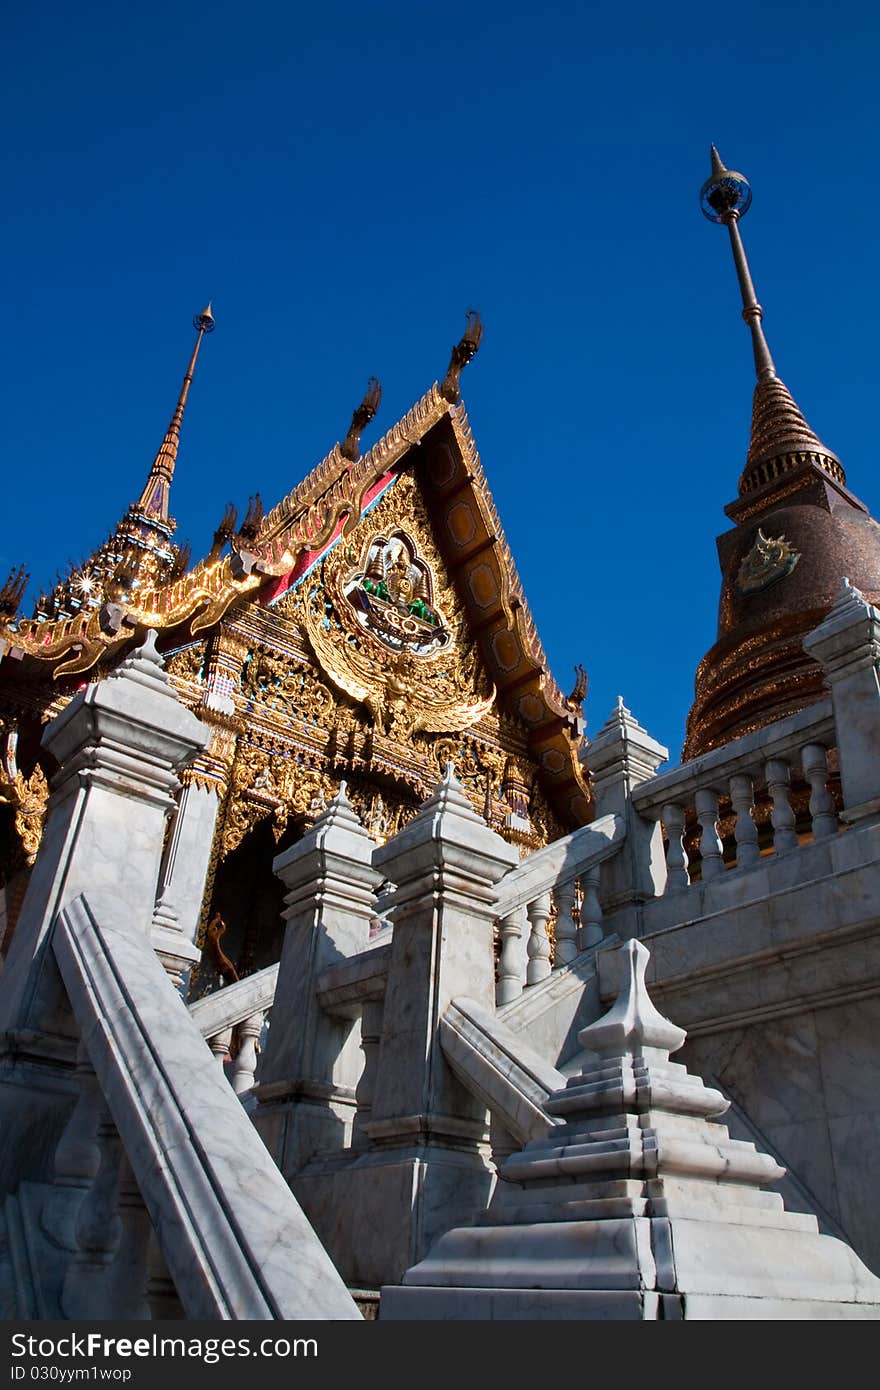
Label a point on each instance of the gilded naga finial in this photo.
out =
(575, 701)
(366, 411)
(465, 349)
(225, 531)
(12, 592)
(253, 519)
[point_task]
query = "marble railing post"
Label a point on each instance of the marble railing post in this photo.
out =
(847, 646)
(621, 757)
(428, 1164)
(120, 743)
(566, 927)
(445, 863)
(313, 1059)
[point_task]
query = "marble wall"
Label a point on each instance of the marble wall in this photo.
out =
(809, 1085)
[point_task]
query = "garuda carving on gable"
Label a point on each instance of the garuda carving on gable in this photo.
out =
(383, 635)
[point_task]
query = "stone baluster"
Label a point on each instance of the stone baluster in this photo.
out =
(742, 800)
(371, 1037)
(706, 801)
(592, 930)
(538, 948)
(245, 1062)
(127, 1278)
(676, 859)
(162, 1299)
(220, 1044)
(98, 1228)
(511, 969)
(77, 1158)
(566, 927)
(814, 761)
(778, 776)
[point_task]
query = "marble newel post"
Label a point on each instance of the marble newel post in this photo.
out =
(313, 1060)
(620, 757)
(847, 646)
(428, 1133)
(119, 743)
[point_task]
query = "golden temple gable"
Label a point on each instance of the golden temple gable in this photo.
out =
(370, 628)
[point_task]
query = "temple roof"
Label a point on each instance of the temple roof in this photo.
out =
(434, 439)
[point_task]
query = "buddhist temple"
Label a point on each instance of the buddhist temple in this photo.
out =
(342, 973)
(370, 626)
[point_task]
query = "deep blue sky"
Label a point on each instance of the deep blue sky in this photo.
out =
(344, 180)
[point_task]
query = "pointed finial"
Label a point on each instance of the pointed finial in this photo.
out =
(204, 322)
(153, 501)
(575, 701)
(632, 1023)
(350, 446)
(465, 349)
(725, 197)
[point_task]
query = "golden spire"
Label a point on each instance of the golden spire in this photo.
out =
(780, 437)
(153, 501)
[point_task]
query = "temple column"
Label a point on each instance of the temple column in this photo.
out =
(190, 859)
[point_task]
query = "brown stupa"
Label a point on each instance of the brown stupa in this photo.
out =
(797, 531)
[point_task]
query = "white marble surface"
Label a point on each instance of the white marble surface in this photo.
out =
(236, 1242)
(847, 644)
(640, 1190)
(189, 854)
(511, 1079)
(620, 758)
(445, 864)
(120, 743)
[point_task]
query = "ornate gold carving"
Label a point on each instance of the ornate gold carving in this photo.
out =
(32, 793)
(264, 787)
(769, 560)
(186, 665)
(413, 673)
(293, 690)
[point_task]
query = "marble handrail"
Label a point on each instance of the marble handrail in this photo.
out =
(342, 989)
(234, 1003)
(236, 1242)
(784, 740)
(496, 1065)
(558, 863)
(763, 758)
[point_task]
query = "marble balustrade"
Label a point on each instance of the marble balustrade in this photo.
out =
(558, 884)
(768, 758)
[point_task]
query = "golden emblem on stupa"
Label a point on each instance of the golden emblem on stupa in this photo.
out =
(771, 558)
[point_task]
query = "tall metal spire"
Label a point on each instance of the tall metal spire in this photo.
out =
(154, 499)
(725, 197)
(780, 438)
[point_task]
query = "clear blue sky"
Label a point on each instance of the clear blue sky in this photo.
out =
(345, 180)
